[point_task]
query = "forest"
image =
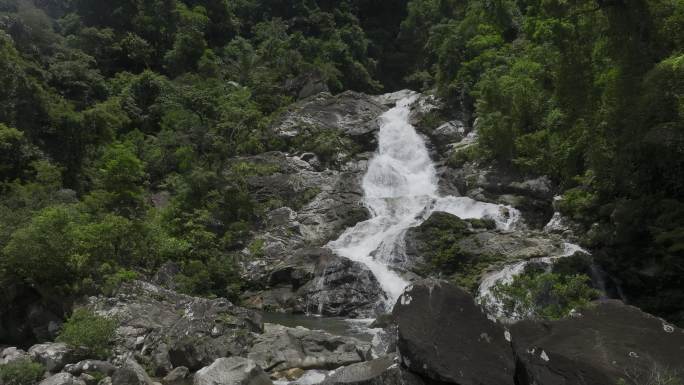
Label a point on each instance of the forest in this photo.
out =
(120, 123)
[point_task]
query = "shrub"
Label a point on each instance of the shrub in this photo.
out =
(21, 372)
(544, 295)
(92, 334)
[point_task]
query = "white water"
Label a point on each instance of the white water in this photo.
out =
(400, 191)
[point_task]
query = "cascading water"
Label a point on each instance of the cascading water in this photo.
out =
(400, 191)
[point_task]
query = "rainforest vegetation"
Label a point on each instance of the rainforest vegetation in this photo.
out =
(120, 123)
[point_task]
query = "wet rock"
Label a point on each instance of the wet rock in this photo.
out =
(90, 366)
(232, 371)
(343, 288)
(598, 345)
(158, 324)
(282, 348)
(131, 373)
(177, 376)
(445, 336)
(52, 355)
(62, 379)
(532, 195)
(381, 371)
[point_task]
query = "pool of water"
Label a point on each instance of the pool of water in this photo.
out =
(358, 328)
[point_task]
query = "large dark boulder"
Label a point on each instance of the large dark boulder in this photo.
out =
(445, 336)
(599, 345)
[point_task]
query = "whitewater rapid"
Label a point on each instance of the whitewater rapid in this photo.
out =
(401, 191)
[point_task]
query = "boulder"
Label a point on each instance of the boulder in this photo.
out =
(12, 354)
(445, 336)
(281, 348)
(90, 366)
(602, 344)
(343, 288)
(232, 371)
(165, 329)
(317, 281)
(177, 376)
(131, 373)
(449, 132)
(350, 113)
(381, 371)
(52, 355)
(62, 379)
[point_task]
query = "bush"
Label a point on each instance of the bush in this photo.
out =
(544, 295)
(21, 372)
(90, 333)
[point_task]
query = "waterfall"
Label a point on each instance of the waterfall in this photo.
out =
(400, 191)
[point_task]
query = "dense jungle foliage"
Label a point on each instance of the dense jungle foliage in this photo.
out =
(118, 120)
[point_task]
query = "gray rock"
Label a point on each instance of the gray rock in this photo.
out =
(344, 288)
(90, 366)
(281, 348)
(381, 371)
(177, 376)
(157, 324)
(307, 84)
(351, 113)
(599, 345)
(62, 379)
(533, 196)
(232, 371)
(12, 354)
(131, 373)
(450, 132)
(88, 379)
(52, 355)
(445, 336)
